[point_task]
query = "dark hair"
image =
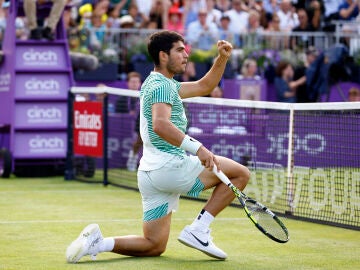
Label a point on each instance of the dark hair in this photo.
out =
(162, 41)
(280, 67)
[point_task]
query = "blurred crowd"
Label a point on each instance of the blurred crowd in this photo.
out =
(202, 22)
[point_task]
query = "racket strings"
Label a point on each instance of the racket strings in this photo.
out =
(267, 221)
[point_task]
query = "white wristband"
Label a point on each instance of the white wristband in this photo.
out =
(190, 144)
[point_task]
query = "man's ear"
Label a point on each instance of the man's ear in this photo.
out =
(163, 56)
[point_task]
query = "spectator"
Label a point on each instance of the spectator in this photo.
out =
(191, 10)
(288, 16)
(284, 84)
(128, 41)
(140, 20)
(302, 40)
(130, 105)
(175, 21)
(251, 91)
(159, 13)
(276, 41)
(19, 22)
(177, 3)
(349, 10)
(258, 5)
(274, 23)
(271, 6)
(226, 34)
(113, 14)
(331, 9)
(48, 32)
(202, 35)
(213, 14)
(354, 94)
(302, 93)
(315, 11)
(254, 22)
(97, 30)
(85, 12)
(249, 70)
(101, 7)
(239, 17)
(125, 104)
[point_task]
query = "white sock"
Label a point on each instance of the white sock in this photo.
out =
(203, 220)
(107, 245)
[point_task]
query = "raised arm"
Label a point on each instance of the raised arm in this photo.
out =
(212, 78)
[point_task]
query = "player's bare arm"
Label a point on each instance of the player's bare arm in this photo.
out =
(211, 79)
(161, 113)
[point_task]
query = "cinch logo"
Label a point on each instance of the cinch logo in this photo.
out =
(238, 151)
(47, 85)
(46, 143)
(44, 113)
(5, 79)
(221, 116)
(87, 121)
(45, 56)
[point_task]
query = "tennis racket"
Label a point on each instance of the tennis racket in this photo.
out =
(263, 218)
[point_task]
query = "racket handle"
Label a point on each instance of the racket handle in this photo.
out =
(222, 176)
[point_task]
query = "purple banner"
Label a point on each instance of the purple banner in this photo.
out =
(41, 57)
(40, 145)
(42, 86)
(121, 137)
(5, 97)
(320, 140)
(41, 115)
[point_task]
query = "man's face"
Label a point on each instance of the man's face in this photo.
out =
(178, 58)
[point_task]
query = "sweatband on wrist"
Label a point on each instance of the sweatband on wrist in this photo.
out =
(190, 144)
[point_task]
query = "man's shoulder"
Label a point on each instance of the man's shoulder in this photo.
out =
(157, 81)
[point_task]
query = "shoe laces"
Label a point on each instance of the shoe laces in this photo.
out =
(93, 241)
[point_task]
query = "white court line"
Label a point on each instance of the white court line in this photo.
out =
(56, 191)
(4, 222)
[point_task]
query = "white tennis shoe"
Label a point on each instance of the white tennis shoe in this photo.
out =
(201, 240)
(87, 243)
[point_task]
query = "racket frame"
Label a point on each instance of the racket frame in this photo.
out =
(242, 197)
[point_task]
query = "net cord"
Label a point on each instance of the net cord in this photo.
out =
(230, 102)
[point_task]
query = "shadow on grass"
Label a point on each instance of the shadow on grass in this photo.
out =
(162, 262)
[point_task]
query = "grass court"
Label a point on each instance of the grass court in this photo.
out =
(39, 217)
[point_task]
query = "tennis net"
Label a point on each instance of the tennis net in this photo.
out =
(304, 158)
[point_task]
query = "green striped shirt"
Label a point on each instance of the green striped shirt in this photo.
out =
(159, 89)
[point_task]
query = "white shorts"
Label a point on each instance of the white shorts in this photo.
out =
(160, 189)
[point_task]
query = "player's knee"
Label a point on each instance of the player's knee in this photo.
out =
(243, 177)
(156, 251)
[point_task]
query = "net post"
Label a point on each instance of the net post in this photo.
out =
(290, 163)
(105, 139)
(69, 163)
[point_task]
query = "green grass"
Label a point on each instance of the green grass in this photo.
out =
(40, 217)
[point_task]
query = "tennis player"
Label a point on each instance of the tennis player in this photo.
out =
(165, 170)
